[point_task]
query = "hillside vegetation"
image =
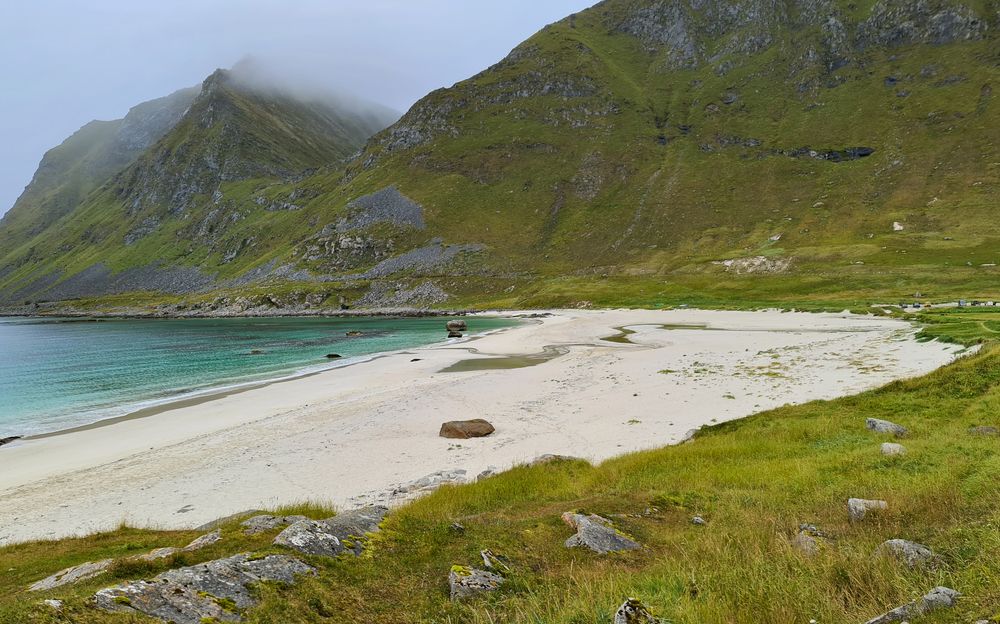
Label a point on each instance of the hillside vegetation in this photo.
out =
(639, 152)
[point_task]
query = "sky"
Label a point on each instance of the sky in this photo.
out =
(64, 63)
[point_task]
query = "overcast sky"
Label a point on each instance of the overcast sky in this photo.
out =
(66, 62)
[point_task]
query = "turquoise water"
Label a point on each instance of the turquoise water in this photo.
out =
(61, 373)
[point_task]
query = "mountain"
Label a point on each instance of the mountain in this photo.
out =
(640, 151)
(88, 158)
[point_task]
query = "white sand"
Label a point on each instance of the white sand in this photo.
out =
(351, 435)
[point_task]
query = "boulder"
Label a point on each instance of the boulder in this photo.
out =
(634, 611)
(465, 429)
(344, 533)
(891, 449)
(910, 553)
(858, 508)
(470, 582)
(976, 431)
(212, 591)
(937, 598)
(265, 523)
(457, 326)
(598, 534)
(884, 426)
(75, 574)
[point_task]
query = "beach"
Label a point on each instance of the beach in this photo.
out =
(365, 433)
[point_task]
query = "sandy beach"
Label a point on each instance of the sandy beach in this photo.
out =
(362, 433)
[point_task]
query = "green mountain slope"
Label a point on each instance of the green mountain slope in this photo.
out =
(86, 160)
(638, 152)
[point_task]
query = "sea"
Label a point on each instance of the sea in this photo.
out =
(61, 373)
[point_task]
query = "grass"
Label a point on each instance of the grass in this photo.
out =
(754, 481)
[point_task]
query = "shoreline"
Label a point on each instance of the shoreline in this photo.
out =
(314, 437)
(192, 398)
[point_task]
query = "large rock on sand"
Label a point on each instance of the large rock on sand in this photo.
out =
(597, 534)
(209, 591)
(344, 533)
(465, 429)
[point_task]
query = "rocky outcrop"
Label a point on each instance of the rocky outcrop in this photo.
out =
(465, 429)
(213, 591)
(894, 23)
(976, 431)
(344, 533)
(911, 554)
(266, 522)
(859, 508)
(936, 599)
(469, 582)
(385, 206)
(884, 426)
(75, 574)
(598, 534)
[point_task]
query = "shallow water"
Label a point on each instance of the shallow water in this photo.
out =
(62, 373)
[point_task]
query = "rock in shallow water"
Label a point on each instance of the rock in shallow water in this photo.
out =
(597, 534)
(216, 589)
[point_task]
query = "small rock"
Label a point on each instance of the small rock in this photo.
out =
(470, 582)
(597, 534)
(551, 459)
(159, 553)
(75, 574)
(698, 521)
(333, 356)
(265, 523)
(984, 431)
(806, 543)
(493, 561)
(486, 474)
(688, 436)
(204, 541)
(256, 352)
(891, 449)
(634, 611)
(910, 553)
(858, 508)
(884, 426)
(55, 605)
(465, 429)
(354, 334)
(937, 598)
(457, 527)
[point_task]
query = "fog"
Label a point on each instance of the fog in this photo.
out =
(64, 62)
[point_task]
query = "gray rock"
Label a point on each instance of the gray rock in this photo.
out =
(698, 521)
(216, 589)
(858, 508)
(204, 541)
(937, 598)
(55, 605)
(344, 533)
(891, 449)
(910, 553)
(486, 474)
(634, 611)
(493, 561)
(78, 573)
(597, 534)
(688, 436)
(265, 523)
(159, 553)
(884, 426)
(431, 482)
(550, 459)
(470, 582)
(807, 543)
